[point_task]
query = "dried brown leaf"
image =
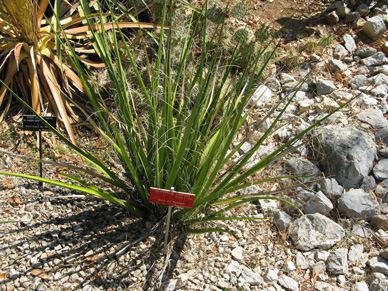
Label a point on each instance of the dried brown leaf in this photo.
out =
(16, 52)
(17, 201)
(315, 278)
(108, 26)
(5, 182)
(57, 97)
(39, 273)
(297, 271)
(10, 74)
(41, 10)
(214, 248)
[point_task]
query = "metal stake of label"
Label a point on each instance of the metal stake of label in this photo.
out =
(168, 221)
(33, 123)
(40, 158)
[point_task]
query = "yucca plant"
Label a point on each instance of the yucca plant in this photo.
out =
(186, 139)
(35, 65)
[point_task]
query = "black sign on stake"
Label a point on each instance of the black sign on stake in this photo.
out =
(33, 123)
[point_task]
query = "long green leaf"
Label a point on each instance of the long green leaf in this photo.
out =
(210, 218)
(99, 193)
(90, 158)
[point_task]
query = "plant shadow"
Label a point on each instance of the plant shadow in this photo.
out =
(301, 27)
(296, 28)
(82, 248)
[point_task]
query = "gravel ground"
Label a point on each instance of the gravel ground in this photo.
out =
(59, 240)
(56, 239)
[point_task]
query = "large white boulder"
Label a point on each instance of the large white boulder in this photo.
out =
(315, 231)
(374, 27)
(346, 154)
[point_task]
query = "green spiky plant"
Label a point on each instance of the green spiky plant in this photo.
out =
(241, 35)
(240, 10)
(263, 33)
(290, 60)
(216, 14)
(317, 46)
(186, 139)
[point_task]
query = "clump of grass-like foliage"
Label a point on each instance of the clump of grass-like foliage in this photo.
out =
(184, 136)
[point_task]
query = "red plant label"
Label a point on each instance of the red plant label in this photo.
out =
(171, 198)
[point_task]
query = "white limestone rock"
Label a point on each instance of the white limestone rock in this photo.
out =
(271, 275)
(318, 204)
(250, 277)
(326, 105)
(331, 188)
(261, 96)
(347, 154)
(357, 204)
(273, 84)
(378, 265)
(237, 253)
(338, 262)
(360, 286)
(349, 43)
(340, 52)
(365, 51)
(323, 286)
(337, 65)
(303, 262)
(332, 17)
(379, 79)
(377, 59)
(302, 167)
(382, 135)
(378, 282)
(380, 171)
(357, 81)
(281, 219)
(373, 117)
(288, 283)
(374, 27)
(380, 221)
(315, 231)
(325, 87)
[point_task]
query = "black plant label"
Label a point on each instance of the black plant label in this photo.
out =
(33, 123)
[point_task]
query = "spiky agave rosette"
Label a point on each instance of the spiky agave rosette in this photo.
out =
(34, 64)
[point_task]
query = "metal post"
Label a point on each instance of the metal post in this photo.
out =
(40, 157)
(168, 221)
